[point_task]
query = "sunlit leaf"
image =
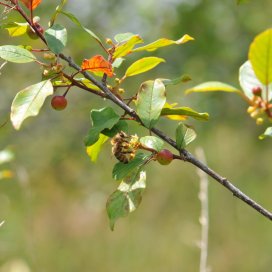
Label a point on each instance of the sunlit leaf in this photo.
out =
(150, 101)
(16, 54)
(184, 135)
(185, 112)
(97, 64)
(266, 134)
(213, 86)
(15, 29)
(260, 56)
(117, 62)
(126, 198)
(31, 4)
(249, 81)
(56, 38)
(123, 37)
(121, 170)
(94, 150)
(162, 43)
(143, 65)
(152, 142)
(101, 119)
(126, 47)
(29, 101)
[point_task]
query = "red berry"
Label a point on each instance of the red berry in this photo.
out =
(257, 91)
(59, 102)
(164, 157)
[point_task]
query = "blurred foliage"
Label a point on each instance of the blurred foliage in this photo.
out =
(54, 207)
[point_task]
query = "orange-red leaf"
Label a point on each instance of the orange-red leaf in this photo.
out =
(97, 64)
(31, 4)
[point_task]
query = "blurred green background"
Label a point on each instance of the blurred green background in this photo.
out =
(54, 207)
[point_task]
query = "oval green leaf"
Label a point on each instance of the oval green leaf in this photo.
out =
(184, 135)
(29, 101)
(16, 54)
(213, 86)
(260, 56)
(56, 38)
(152, 142)
(143, 65)
(150, 101)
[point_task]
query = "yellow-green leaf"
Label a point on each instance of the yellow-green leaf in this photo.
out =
(162, 43)
(143, 65)
(126, 47)
(213, 86)
(16, 29)
(16, 54)
(260, 56)
(94, 150)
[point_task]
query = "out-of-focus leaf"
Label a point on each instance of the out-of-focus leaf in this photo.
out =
(57, 12)
(31, 4)
(29, 101)
(241, 1)
(266, 134)
(150, 101)
(5, 174)
(101, 119)
(213, 86)
(152, 142)
(117, 62)
(94, 150)
(185, 111)
(121, 170)
(97, 64)
(162, 43)
(56, 38)
(260, 56)
(143, 65)
(73, 18)
(175, 81)
(184, 135)
(15, 29)
(126, 47)
(120, 126)
(16, 54)
(249, 81)
(6, 156)
(126, 198)
(123, 37)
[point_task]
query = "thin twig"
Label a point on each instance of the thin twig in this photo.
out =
(204, 216)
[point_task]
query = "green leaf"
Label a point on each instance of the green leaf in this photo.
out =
(185, 111)
(123, 37)
(57, 12)
(162, 43)
(260, 56)
(117, 62)
(56, 38)
(150, 101)
(94, 150)
(143, 65)
(15, 29)
(29, 101)
(101, 119)
(6, 156)
(248, 81)
(184, 135)
(126, 47)
(266, 134)
(120, 126)
(152, 142)
(213, 86)
(73, 18)
(126, 198)
(175, 81)
(122, 170)
(16, 54)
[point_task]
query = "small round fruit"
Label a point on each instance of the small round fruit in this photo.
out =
(257, 91)
(164, 157)
(59, 102)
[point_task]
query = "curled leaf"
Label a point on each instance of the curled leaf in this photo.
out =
(97, 64)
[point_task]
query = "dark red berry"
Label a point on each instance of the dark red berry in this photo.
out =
(59, 102)
(257, 91)
(164, 157)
